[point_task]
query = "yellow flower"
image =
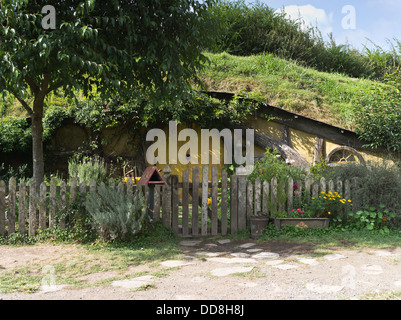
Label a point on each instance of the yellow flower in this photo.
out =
(209, 201)
(349, 201)
(313, 198)
(329, 212)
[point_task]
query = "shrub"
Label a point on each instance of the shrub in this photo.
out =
(18, 173)
(114, 214)
(273, 166)
(87, 169)
(378, 184)
(15, 135)
(371, 219)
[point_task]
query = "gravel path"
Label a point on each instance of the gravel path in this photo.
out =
(238, 270)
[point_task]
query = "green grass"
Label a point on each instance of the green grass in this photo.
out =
(329, 97)
(334, 237)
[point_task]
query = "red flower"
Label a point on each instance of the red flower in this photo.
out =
(295, 187)
(384, 219)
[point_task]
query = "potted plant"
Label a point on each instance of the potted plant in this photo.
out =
(316, 214)
(259, 223)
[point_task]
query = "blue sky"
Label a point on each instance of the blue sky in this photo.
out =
(376, 20)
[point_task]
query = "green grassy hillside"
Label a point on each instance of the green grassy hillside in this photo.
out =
(328, 97)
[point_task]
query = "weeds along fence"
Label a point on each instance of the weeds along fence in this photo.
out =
(200, 207)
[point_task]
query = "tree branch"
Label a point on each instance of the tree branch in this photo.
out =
(60, 83)
(24, 104)
(34, 87)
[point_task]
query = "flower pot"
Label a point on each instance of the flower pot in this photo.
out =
(258, 225)
(304, 223)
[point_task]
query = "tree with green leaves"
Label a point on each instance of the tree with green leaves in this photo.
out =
(151, 49)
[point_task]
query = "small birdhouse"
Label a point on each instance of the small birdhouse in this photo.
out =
(151, 176)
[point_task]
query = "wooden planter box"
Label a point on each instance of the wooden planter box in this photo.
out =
(304, 223)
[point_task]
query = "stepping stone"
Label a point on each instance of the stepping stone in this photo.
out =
(224, 241)
(222, 272)
(323, 288)
(189, 243)
(175, 263)
(133, 283)
(274, 262)
(254, 250)
(372, 269)
(240, 255)
(285, 266)
(208, 254)
(51, 288)
(334, 256)
(247, 245)
(266, 255)
(382, 253)
(308, 261)
(231, 260)
(211, 244)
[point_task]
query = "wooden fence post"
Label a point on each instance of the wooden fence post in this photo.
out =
(42, 206)
(265, 199)
(2, 208)
(21, 207)
(258, 196)
(205, 194)
(274, 196)
(290, 198)
(166, 205)
(195, 201)
(224, 203)
(234, 204)
(185, 203)
(73, 189)
(63, 202)
(32, 208)
(249, 202)
(53, 202)
(307, 191)
(215, 186)
(12, 205)
(174, 202)
(323, 187)
(241, 202)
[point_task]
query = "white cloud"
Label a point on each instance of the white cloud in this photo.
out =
(311, 16)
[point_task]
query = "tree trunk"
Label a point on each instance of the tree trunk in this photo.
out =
(37, 131)
(37, 147)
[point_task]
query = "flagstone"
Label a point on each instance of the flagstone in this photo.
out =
(224, 241)
(222, 272)
(247, 245)
(175, 263)
(334, 256)
(285, 266)
(190, 243)
(231, 260)
(266, 255)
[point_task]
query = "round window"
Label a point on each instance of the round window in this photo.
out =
(344, 155)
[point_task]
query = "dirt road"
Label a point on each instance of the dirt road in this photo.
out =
(225, 270)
